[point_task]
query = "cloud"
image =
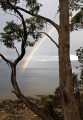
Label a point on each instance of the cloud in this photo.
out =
(51, 58)
(73, 57)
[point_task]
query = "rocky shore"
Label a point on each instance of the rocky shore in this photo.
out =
(16, 110)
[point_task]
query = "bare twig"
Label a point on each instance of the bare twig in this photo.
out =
(13, 15)
(0, 60)
(16, 50)
(51, 39)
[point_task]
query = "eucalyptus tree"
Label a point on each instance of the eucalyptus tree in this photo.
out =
(69, 104)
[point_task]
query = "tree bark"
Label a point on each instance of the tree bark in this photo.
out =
(69, 105)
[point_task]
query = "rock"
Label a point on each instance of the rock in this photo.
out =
(7, 102)
(12, 117)
(7, 108)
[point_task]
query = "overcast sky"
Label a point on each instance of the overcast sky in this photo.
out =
(49, 10)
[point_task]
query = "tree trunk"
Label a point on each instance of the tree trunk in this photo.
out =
(69, 104)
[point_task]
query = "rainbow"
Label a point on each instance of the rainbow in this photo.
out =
(36, 47)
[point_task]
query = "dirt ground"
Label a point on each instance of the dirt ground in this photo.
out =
(15, 110)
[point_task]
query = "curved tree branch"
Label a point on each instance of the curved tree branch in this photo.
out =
(6, 60)
(36, 15)
(24, 36)
(51, 39)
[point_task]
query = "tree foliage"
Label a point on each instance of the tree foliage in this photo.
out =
(32, 5)
(77, 19)
(53, 102)
(14, 32)
(76, 4)
(79, 53)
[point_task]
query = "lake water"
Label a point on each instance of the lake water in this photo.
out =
(32, 81)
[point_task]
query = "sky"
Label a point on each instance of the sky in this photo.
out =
(47, 51)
